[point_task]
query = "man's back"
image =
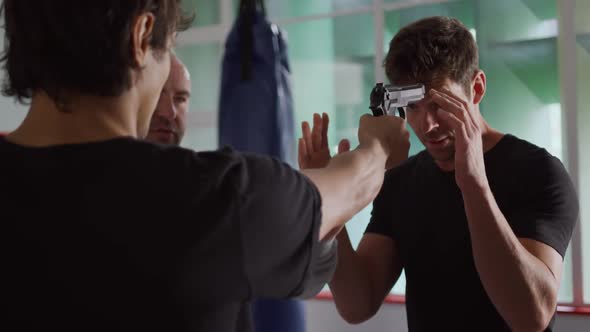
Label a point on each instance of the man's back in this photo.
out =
(118, 235)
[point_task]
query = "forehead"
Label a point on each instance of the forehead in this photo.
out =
(179, 77)
(436, 82)
(454, 87)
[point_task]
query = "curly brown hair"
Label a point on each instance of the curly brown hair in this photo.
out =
(432, 48)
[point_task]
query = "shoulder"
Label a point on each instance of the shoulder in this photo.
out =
(190, 172)
(224, 166)
(275, 177)
(530, 159)
(220, 160)
(517, 148)
(536, 174)
(180, 160)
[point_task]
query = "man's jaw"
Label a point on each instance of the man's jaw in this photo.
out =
(440, 146)
(163, 135)
(438, 142)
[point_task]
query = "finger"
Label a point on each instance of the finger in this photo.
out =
(449, 97)
(325, 123)
(448, 104)
(461, 101)
(316, 133)
(306, 131)
(344, 146)
(458, 126)
(453, 96)
(302, 155)
(365, 118)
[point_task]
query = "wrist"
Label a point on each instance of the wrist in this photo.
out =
(376, 149)
(476, 188)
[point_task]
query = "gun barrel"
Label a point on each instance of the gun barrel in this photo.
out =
(385, 97)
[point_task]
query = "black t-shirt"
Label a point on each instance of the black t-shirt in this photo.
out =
(421, 208)
(124, 235)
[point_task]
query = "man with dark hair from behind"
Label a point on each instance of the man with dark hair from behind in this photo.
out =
(102, 231)
(168, 127)
(479, 220)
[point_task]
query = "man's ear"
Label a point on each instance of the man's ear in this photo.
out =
(142, 33)
(478, 87)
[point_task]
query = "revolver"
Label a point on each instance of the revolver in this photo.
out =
(385, 97)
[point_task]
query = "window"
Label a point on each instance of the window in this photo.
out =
(11, 113)
(207, 12)
(582, 53)
(336, 49)
(520, 57)
(204, 63)
(290, 10)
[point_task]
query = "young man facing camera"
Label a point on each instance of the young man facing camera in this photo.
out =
(479, 220)
(102, 231)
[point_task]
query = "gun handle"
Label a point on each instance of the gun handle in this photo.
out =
(377, 111)
(402, 112)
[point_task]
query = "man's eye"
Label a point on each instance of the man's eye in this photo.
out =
(180, 100)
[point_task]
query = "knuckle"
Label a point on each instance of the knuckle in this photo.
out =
(363, 119)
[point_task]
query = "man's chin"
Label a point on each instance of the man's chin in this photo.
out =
(445, 155)
(160, 137)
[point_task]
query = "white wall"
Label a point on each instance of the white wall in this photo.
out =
(11, 113)
(322, 317)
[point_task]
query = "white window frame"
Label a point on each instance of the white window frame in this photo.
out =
(567, 68)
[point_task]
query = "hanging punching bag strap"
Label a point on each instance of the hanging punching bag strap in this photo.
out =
(248, 9)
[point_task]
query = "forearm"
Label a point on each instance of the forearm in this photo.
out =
(348, 184)
(519, 284)
(351, 285)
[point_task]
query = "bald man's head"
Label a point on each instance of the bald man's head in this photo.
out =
(169, 120)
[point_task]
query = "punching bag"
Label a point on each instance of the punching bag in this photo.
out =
(256, 115)
(256, 105)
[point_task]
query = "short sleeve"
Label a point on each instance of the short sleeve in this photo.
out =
(252, 229)
(550, 209)
(280, 218)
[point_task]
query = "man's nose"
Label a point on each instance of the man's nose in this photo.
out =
(430, 121)
(166, 108)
